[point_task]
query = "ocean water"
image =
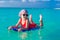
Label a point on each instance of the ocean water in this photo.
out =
(50, 30)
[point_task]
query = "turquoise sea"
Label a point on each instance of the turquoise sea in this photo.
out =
(50, 30)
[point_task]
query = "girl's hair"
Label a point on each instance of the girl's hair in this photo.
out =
(23, 10)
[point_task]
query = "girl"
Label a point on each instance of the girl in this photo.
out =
(24, 21)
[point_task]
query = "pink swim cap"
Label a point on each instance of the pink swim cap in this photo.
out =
(22, 12)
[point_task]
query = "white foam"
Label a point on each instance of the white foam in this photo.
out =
(57, 8)
(37, 0)
(23, 0)
(32, 0)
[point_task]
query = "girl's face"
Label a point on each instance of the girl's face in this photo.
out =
(24, 15)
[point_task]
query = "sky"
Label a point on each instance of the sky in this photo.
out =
(30, 3)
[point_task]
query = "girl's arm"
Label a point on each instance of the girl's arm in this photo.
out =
(18, 23)
(14, 26)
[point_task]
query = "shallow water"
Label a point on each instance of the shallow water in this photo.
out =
(50, 31)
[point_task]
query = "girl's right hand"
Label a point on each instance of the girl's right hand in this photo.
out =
(9, 28)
